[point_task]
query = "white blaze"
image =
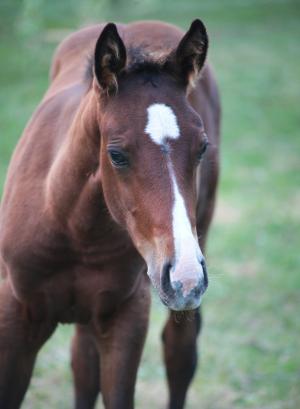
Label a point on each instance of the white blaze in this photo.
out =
(161, 125)
(187, 251)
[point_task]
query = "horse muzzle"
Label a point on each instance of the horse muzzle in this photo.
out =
(182, 287)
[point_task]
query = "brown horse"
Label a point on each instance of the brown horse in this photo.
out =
(106, 183)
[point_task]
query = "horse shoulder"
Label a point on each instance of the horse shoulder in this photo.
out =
(24, 228)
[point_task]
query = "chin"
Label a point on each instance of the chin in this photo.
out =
(181, 304)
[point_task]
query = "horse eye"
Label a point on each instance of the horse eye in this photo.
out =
(202, 150)
(118, 159)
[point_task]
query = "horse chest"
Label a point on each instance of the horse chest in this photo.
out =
(75, 282)
(81, 295)
(105, 279)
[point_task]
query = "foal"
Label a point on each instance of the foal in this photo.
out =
(114, 176)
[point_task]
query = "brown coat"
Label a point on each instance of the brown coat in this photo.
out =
(68, 248)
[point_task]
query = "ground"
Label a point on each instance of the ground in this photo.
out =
(250, 343)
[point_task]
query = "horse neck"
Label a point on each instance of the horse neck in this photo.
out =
(76, 160)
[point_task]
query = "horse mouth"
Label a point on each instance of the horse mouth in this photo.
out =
(173, 297)
(178, 302)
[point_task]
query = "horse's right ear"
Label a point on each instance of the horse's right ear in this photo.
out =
(110, 59)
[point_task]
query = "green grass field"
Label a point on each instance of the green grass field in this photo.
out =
(250, 342)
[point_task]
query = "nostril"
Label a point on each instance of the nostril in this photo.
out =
(197, 291)
(205, 276)
(165, 278)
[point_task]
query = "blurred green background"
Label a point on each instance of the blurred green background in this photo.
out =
(250, 343)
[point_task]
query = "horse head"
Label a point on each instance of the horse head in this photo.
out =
(152, 142)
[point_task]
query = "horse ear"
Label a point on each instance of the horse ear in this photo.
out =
(110, 58)
(191, 52)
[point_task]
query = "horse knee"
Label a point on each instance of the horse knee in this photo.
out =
(180, 355)
(180, 344)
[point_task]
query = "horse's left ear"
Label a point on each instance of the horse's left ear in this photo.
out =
(110, 59)
(191, 52)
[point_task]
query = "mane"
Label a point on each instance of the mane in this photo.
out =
(139, 61)
(89, 69)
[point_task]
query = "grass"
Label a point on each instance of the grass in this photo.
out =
(250, 342)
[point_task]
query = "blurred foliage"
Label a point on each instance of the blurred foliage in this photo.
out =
(30, 17)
